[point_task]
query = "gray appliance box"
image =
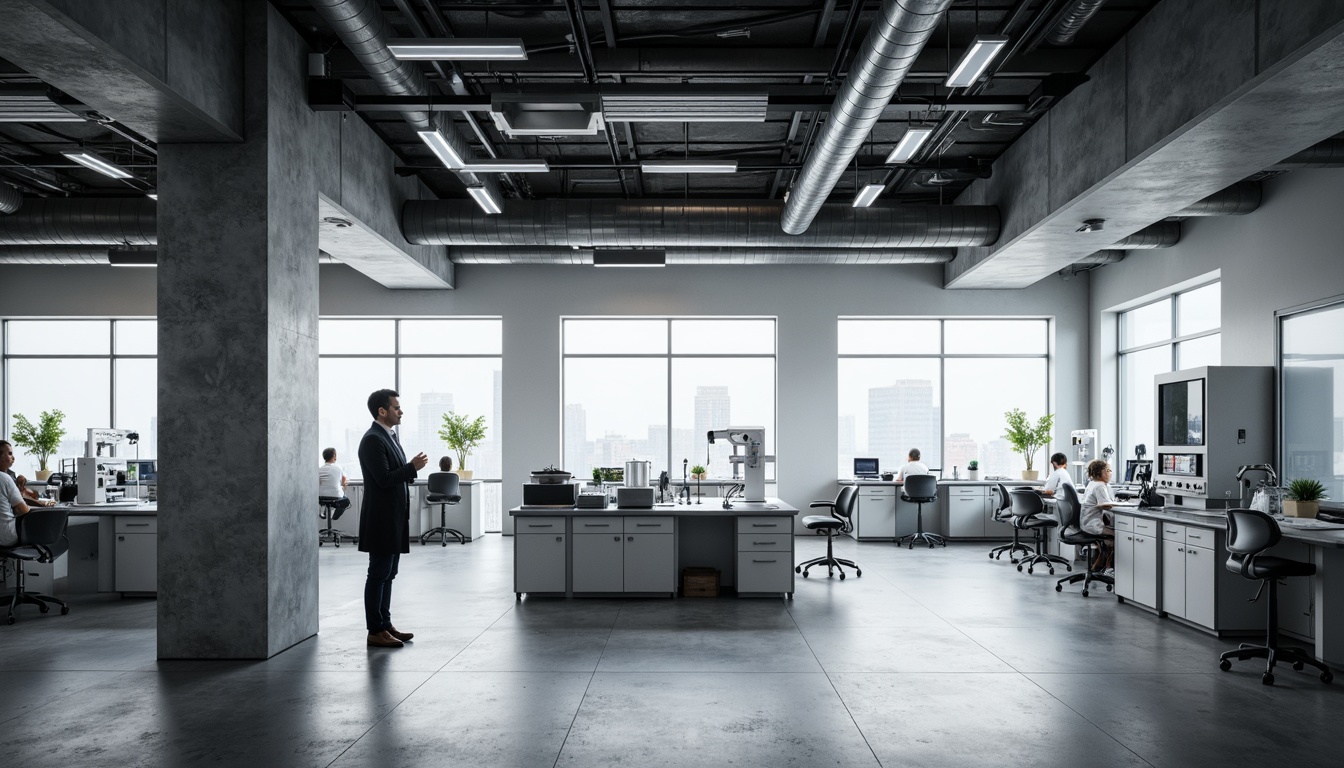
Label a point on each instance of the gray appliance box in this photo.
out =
(550, 494)
(628, 498)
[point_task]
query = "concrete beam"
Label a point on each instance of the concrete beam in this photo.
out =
(168, 69)
(1198, 96)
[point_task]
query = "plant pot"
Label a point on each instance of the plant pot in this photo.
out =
(1030, 474)
(42, 475)
(463, 474)
(1300, 508)
(973, 474)
(700, 476)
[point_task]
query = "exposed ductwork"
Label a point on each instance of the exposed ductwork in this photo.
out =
(723, 223)
(1163, 234)
(1070, 21)
(1327, 154)
(82, 221)
(11, 199)
(898, 34)
(57, 255)
(712, 256)
(1101, 257)
(1237, 200)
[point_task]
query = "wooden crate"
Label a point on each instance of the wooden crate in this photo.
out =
(699, 582)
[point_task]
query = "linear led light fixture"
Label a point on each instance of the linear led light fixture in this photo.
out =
(604, 258)
(984, 49)
(438, 144)
(868, 195)
(133, 257)
(458, 49)
(687, 166)
(152, 196)
(485, 200)
(95, 163)
(909, 145)
(508, 166)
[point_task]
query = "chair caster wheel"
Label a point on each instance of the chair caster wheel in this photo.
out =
(1225, 665)
(1110, 588)
(1267, 678)
(1297, 666)
(1084, 593)
(1327, 677)
(1060, 588)
(991, 555)
(44, 608)
(65, 609)
(857, 574)
(804, 574)
(319, 543)
(799, 569)
(1030, 571)
(1019, 569)
(842, 576)
(1052, 571)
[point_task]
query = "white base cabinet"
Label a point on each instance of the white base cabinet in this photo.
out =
(540, 553)
(137, 554)
(874, 513)
(764, 555)
(1137, 560)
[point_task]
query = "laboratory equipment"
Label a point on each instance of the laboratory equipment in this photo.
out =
(1269, 486)
(1084, 444)
(751, 461)
(107, 437)
(627, 497)
(637, 474)
(95, 477)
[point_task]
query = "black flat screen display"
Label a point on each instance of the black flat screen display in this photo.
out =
(1182, 409)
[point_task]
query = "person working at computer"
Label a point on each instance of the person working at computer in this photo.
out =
(331, 483)
(1059, 474)
(1094, 518)
(912, 467)
(12, 503)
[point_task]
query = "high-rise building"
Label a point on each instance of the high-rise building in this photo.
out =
(900, 417)
(578, 458)
(961, 450)
(998, 458)
(428, 422)
(713, 410)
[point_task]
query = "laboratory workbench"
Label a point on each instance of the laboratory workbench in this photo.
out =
(465, 516)
(964, 510)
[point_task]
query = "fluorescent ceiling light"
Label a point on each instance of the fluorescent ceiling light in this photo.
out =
(868, 194)
(687, 166)
(508, 166)
(484, 199)
(603, 258)
(909, 145)
(94, 162)
(984, 49)
(152, 196)
(438, 144)
(459, 49)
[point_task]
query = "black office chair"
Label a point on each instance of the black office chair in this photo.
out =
(443, 490)
(1004, 514)
(921, 490)
(1249, 533)
(1069, 509)
(332, 507)
(838, 521)
(41, 539)
(1028, 515)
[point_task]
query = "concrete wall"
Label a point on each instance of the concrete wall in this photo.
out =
(1285, 254)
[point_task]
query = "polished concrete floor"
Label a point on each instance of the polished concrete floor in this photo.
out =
(939, 658)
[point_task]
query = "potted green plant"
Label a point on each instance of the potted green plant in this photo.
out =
(1303, 498)
(462, 434)
(698, 472)
(41, 439)
(973, 469)
(1028, 439)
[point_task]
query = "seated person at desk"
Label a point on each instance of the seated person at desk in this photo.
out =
(446, 464)
(12, 503)
(331, 483)
(1059, 474)
(913, 467)
(1096, 500)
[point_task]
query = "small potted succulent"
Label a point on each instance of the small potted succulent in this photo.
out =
(973, 469)
(1303, 498)
(698, 472)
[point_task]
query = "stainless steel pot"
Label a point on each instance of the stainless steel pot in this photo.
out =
(637, 474)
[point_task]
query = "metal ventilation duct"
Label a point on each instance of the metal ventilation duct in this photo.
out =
(75, 221)
(1101, 257)
(11, 199)
(59, 255)
(1072, 20)
(899, 33)
(1237, 200)
(683, 108)
(713, 256)
(1163, 234)
(727, 223)
(1327, 154)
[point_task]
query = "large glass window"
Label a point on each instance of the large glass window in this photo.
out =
(437, 365)
(941, 386)
(651, 388)
(1173, 333)
(99, 373)
(1311, 397)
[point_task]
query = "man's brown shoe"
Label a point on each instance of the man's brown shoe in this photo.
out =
(402, 636)
(384, 640)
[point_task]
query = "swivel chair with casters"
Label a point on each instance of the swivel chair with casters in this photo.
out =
(838, 521)
(41, 539)
(1069, 509)
(332, 507)
(1028, 515)
(921, 490)
(443, 490)
(1249, 533)
(1003, 513)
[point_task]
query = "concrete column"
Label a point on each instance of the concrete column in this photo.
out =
(238, 303)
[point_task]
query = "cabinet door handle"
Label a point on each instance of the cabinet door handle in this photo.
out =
(1129, 538)
(618, 538)
(559, 538)
(597, 525)
(630, 538)
(764, 561)
(761, 543)
(764, 525)
(535, 525)
(137, 525)
(1192, 551)
(1180, 549)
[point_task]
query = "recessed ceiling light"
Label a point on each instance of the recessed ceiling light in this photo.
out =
(909, 145)
(440, 146)
(95, 163)
(688, 166)
(867, 195)
(984, 49)
(485, 200)
(458, 49)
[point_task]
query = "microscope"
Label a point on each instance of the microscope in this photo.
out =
(749, 465)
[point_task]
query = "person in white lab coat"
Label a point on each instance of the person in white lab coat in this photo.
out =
(1096, 501)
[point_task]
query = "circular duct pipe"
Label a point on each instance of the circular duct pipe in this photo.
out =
(11, 199)
(1237, 200)
(1072, 20)
(1163, 234)
(75, 221)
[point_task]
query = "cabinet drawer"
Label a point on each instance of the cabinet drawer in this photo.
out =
(764, 525)
(764, 542)
(1199, 537)
(1173, 532)
(1124, 523)
(136, 525)
(539, 525)
(602, 524)
(878, 491)
(965, 490)
(648, 525)
(764, 572)
(1148, 527)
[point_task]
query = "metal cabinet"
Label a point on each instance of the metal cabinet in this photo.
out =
(539, 545)
(650, 563)
(598, 564)
(1201, 580)
(1137, 558)
(1173, 573)
(875, 513)
(764, 555)
(137, 558)
(966, 511)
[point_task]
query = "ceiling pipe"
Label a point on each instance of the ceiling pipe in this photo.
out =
(58, 255)
(711, 256)
(11, 199)
(82, 221)
(1163, 234)
(898, 34)
(1237, 200)
(727, 223)
(1327, 154)
(1071, 21)
(1101, 257)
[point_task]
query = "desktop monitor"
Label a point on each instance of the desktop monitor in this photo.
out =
(1136, 468)
(865, 468)
(142, 471)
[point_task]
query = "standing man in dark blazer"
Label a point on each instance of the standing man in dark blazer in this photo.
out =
(385, 515)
